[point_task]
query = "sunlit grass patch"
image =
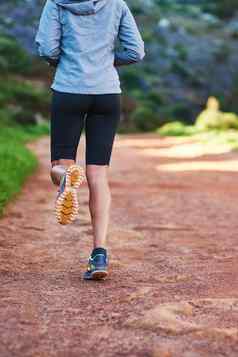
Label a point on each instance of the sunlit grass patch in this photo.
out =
(218, 137)
(176, 128)
(212, 137)
(212, 126)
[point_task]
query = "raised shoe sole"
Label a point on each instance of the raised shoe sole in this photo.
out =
(66, 206)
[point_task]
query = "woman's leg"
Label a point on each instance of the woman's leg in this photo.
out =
(101, 124)
(67, 122)
(99, 202)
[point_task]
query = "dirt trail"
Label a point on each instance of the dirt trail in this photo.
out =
(173, 287)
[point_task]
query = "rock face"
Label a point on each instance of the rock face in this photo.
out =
(190, 55)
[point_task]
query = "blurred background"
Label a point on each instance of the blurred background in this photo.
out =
(186, 85)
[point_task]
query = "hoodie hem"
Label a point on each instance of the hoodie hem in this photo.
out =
(66, 89)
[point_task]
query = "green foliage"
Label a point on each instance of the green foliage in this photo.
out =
(179, 68)
(223, 53)
(12, 57)
(147, 35)
(176, 128)
(154, 97)
(24, 96)
(16, 161)
(211, 119)
(231, 103)
(173, 111)
(223, 8)
(179, 110)
(130, 78)
(218, 137)
(223, 121)
(145, 118)
(19, 100)
(136, 8)
(181, 51)
(174, 62)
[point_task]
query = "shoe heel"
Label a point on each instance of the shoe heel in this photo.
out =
(75, 176)
(99, 275)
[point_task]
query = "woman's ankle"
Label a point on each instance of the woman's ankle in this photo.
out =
(99, 250)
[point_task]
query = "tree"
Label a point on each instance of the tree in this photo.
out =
(222, 8)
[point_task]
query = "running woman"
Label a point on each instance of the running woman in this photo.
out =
(78, 37)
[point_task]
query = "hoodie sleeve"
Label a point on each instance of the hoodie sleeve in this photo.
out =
(131, 40)
(49, 33)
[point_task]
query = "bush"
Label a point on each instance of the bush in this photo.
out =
(223, 53)
(24, 95)
(175, 110)
(182, 51)
(145, 118)
(176, 128)
(16, 161)
(155, 97)
(12, 57)
(213, 118)
(226, 8)
(130, 78)
(179, 69)
(221, 121)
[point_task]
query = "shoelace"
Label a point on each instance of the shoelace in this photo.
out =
(91, 261)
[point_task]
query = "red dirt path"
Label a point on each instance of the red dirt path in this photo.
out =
(173, 284)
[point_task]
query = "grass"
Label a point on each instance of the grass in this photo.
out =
(20, 101)
(176, 128)
(217, 137)
(16, 161)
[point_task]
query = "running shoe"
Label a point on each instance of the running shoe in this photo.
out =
(66, 205)
(97, 267)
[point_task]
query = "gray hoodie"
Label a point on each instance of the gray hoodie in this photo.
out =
(79, 37)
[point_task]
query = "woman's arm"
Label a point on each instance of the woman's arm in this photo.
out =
(49, 33)
(131, 40)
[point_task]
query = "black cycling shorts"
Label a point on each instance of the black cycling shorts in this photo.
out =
(99, 114)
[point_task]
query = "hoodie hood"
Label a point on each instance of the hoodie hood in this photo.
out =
(82, 7)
